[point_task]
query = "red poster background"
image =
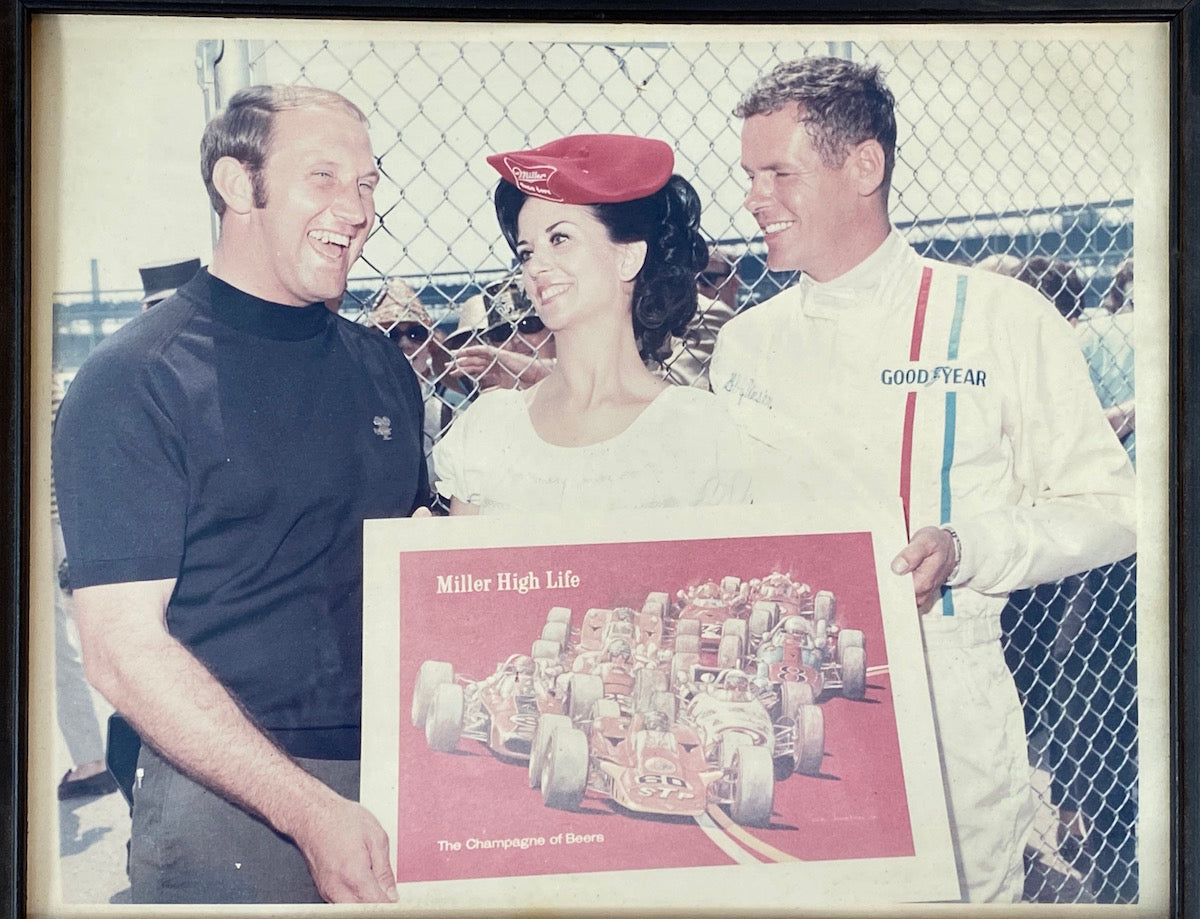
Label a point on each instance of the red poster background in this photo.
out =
(856, 807)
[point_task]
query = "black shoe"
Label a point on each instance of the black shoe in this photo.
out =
(93, 786)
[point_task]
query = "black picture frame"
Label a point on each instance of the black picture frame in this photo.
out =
(1184, 480)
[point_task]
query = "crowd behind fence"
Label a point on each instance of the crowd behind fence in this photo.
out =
(1007, 150)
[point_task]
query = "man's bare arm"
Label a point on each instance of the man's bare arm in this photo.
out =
(182, 710)
(493, 366)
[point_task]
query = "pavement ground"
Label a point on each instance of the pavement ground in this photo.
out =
(92, 833)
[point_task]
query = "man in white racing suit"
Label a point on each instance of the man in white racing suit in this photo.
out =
(962, 391)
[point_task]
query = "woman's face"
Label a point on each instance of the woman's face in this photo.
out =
(572, 270)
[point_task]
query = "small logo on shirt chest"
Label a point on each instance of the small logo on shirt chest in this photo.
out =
(383, 426)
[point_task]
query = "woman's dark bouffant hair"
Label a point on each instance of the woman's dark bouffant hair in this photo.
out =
(664, 291)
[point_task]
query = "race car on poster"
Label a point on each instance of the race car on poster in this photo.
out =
(642, 629)
(614, 674)
(805, 658)
(777, 596)
(710, 621)
(647, 763)
(501, 711)
(729, 709)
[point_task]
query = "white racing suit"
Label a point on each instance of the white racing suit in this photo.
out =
(965, 393)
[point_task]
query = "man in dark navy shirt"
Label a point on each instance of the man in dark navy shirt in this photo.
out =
(215, 460)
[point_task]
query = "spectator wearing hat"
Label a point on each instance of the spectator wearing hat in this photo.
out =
(161, 279)
(508, 347)
(397, 311)
(609, 246)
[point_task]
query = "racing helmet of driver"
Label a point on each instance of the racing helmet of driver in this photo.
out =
(795, 625)
(524, 666)
(656, 721)
(618, 650)
(737, 682)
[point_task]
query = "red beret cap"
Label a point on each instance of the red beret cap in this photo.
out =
(589, 168)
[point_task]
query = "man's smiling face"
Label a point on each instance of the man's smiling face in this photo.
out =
(806, 209)
(320, 177)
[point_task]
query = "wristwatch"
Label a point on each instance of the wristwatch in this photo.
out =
(953, 575)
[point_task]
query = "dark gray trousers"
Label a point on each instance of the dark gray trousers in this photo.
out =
(191, 846)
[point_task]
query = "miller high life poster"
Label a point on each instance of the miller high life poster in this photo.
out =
(701, 703)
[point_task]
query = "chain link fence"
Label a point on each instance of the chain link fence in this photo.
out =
(1009, 152)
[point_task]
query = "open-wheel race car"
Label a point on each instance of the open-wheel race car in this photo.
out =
(642, 629)
(804, 658)
(729, 709)
(614, 674)
(710, 622)
(648, 763)
(501, 711)
(778, 596)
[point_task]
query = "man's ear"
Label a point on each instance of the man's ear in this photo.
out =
(633, 256)
(869, 164)
(231, 179)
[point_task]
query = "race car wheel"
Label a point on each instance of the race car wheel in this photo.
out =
(645, 684)
(850, 638)
(555, 632)
(753, 786)
(824, 606)
(687, 644)
(545, 650)
(660, 601)
(794, 694)
(547, 725)
(730, 743)
(664, 702)
(810, 739)
(564, 775)
(854, 672)
(729, 652)
(735, 627)
(559, 614)
(429, 677)
(762, 619)
(785, 763)
(583, 690)
(443, 722)
(687, 627)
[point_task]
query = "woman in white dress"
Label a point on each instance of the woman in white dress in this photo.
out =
(609, 246)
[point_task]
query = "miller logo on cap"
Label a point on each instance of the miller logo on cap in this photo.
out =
(589, 168)
(533, 180)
